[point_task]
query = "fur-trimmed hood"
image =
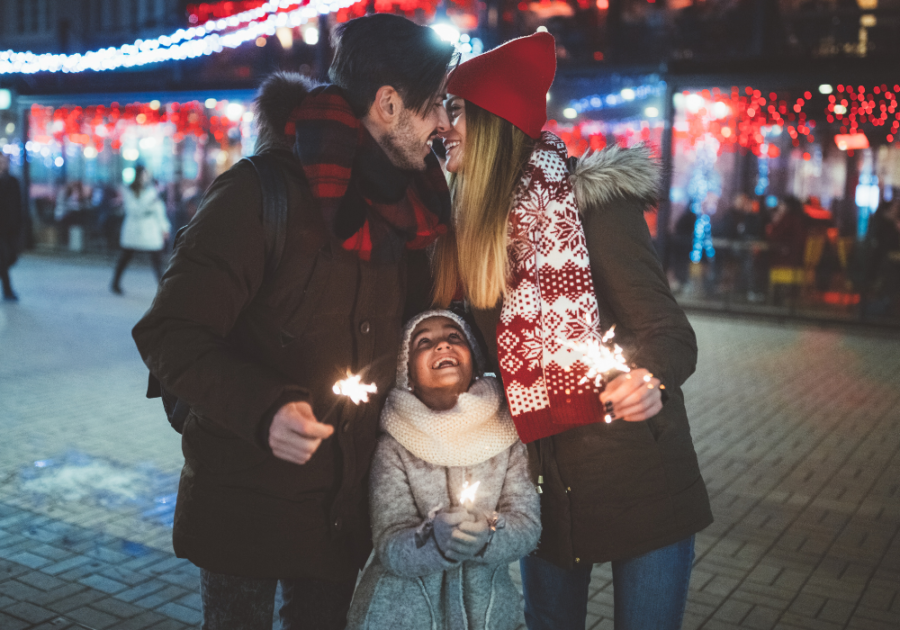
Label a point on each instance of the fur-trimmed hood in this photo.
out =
(615, 172)
(277, 97)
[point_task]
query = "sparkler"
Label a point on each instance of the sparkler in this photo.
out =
(601, 358)
(468, 492)
(353, 388)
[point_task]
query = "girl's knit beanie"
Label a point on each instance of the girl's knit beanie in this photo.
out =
(403, 358)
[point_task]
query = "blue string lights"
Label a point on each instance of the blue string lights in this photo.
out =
(212, 37)
(704, 181)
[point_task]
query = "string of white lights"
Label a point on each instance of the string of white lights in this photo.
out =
(196, 41)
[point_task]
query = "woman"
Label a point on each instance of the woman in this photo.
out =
(788, 233)
(544, 259)
(145, 228)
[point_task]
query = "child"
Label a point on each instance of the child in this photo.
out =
(441, 562)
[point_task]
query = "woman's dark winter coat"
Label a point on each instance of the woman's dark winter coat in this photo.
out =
(237, 345)
(616, 491)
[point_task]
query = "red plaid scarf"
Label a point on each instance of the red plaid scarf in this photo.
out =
(374, 208)
(550, 298)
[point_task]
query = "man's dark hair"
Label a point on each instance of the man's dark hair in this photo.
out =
(385, 49)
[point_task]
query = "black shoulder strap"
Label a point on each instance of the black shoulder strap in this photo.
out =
(275, 206)
(275, 211)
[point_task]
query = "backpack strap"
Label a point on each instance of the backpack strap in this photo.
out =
(275, 211)
(275, 206)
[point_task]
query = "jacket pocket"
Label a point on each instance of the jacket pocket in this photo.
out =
(216, 448)
(618, 462)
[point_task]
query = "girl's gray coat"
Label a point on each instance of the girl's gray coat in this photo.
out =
(406, 587)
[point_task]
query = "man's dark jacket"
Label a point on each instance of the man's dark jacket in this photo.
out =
(237, 345)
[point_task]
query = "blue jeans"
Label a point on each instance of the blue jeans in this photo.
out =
(649, 591)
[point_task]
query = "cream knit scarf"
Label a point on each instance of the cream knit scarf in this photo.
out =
(475, 430)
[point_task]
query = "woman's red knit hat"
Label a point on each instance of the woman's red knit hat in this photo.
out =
(510, 81)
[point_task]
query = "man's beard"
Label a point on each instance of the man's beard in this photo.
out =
(402, 146)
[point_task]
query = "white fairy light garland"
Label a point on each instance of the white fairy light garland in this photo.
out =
(182, 44)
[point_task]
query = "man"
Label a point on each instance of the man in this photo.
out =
(11, 225)
(274, 485)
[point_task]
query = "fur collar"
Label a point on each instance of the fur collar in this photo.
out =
(277, 97)
(614, 172)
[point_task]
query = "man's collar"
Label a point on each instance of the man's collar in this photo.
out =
(378, 178)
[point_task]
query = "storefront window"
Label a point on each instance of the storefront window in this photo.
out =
(774, 197)
(80, 156)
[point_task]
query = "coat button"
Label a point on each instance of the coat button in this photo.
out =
(577, 560)
(568, 489)
(364, 328)
(337, 524)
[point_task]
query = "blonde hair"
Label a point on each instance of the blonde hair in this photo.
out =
(473, 254)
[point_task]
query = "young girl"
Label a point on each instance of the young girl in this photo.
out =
(441, 560)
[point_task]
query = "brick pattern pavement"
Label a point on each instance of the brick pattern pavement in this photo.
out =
(797, 430)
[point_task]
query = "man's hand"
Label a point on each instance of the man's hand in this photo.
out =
(634, 396)
(449, 538)
(295, 433)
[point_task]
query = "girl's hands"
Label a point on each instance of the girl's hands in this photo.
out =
(633, 397)
(478, 533)
(459, 534)
(450, 540)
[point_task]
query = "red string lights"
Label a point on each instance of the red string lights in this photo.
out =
(742, 120)
(205, 11)
(590, 135)
(200, 13)
(97, 125)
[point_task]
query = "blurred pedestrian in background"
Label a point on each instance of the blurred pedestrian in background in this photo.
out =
(145, 227)
(787, 234)
(12, 223)
(680, 246)
(107, 202)
(72, 206)
(883, 268)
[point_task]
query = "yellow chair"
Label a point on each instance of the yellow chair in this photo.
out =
(799, 276)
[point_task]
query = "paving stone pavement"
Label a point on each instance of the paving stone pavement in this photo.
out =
(797, 429)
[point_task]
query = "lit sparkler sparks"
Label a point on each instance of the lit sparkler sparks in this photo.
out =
(468, 492)
(354, 389)
(601, 358)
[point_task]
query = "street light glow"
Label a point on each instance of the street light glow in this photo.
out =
(311, 35)
(447, 32)
(569, 112)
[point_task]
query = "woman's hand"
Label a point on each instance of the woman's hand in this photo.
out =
(633, 397)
